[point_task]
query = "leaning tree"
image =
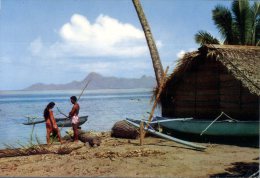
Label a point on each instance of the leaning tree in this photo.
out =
(157, 65)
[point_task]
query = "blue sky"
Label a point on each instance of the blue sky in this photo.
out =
(58, 41)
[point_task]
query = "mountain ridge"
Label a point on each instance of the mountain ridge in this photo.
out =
(99, 81)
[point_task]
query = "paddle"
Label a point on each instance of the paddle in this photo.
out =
(62, 113)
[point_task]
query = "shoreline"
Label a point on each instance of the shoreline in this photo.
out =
(76, 91)
(125, 158)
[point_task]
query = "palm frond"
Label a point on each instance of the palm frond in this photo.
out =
(255, 32)
(222, 18)
(258, 43)
(242, 20)
(203, 37)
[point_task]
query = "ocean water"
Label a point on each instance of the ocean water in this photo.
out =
(104, 108)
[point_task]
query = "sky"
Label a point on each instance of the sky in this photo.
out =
(59, 41)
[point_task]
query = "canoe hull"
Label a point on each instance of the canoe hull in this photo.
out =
(219, 128)
(61, 122)
(64, 122)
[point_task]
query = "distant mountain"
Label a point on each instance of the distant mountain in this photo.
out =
(99, 82)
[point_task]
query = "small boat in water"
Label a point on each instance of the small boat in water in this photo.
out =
(219, 128)
(61, 122)
(67, 122)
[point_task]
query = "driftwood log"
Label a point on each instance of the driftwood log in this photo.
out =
(91, 139)
(122, 129)
(85, 137)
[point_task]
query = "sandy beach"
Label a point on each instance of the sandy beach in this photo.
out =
(125, 158)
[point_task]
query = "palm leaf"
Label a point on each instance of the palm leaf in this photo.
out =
(242, 20)
(203, 37)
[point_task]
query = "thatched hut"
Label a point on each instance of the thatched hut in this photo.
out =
(213, 79)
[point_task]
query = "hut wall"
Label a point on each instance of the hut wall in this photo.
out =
(236, 100)
(207, 90)
(196, 94)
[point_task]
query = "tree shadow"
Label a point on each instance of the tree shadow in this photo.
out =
(240, 169)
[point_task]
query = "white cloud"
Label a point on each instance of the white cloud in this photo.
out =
(106, 37)
(159, 44)
(180, 54)
(105, 31)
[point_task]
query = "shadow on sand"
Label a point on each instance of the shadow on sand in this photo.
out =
(240, 169)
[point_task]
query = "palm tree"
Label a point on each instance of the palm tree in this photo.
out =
(157, 65)
(240, 25)
(255, 32)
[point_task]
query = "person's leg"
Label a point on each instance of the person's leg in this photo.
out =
(75, 131)
(48, 136)
(57, 130)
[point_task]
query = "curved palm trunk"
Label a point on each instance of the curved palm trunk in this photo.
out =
(157, 65)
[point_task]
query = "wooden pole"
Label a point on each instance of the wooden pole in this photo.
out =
(157, 96)
(142, 130)
(141, 134)
(84, 89)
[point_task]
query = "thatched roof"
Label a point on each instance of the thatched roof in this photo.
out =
(242, 61)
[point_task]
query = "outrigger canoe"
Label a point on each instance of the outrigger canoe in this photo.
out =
(136, 123)
(218, 128)
(61, 122)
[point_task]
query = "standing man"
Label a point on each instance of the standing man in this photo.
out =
(73, 115)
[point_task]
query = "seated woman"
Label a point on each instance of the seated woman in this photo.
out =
(51, 125)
